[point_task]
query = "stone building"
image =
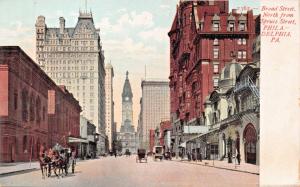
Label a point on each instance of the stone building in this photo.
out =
(155, 107)
(204, 37)
(232, 116)
(109, 104)
(73, 56)
(34, 111)
(127, 134)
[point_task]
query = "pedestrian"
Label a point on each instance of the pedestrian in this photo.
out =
(200, 157)
(115, 154)
(238, 156)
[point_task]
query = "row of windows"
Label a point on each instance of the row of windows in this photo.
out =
(71, 75)
(62, 48)
(230, 26)
(242, 54)
(32, 109)
(72, 55)
(78, 81)
(84, 68)
(240, 41)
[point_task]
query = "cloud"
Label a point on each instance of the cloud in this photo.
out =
(158, 34)
(17, 34)
(128, 19)
(127, 49)
(122, 10)
(143, 19)
(164, 6)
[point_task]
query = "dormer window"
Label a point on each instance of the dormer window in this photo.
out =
(216, 26)
(216, 23)
(231, 26)
(242, 23)
(242, 26)
(230, 23)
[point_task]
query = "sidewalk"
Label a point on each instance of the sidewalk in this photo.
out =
(243, 167)
(10, 168)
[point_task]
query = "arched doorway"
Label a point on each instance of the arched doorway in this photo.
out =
(250, 139)
(12, 149)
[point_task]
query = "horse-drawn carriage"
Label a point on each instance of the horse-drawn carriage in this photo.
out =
(58, 158)
(157, 153)
(141, 155)
(127, 152)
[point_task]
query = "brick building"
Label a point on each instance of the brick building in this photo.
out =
(63, 116)
(204, 37)
(165, 135)
(29, 117)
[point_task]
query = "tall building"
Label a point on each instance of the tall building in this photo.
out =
(73, 56)
(155, 107)
(204, 37)
(127, 134)
(109, 104)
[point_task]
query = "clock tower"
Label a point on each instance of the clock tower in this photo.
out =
(127, 102)
(127, 134)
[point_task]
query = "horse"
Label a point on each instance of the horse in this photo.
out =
(43, 164)
(61, 163)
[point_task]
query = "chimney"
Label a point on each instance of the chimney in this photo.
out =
(61, 25)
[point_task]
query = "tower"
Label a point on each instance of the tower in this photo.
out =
(40, 29)
(127, 134)
(127, 102)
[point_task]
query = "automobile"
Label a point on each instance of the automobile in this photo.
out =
(157, 153)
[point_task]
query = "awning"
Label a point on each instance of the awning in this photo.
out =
(183, 145)
(77, 140)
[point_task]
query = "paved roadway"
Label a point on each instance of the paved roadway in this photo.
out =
(124, 171)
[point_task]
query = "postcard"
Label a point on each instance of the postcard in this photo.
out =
(149, 93)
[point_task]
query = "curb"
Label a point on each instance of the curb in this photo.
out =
(18, 171)
(254, 173)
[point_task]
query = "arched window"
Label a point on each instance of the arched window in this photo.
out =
(24, 105)
(31, 108)
(25, 143)
(38, 110)
(44, 113)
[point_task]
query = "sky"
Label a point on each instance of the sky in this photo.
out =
(133, 34)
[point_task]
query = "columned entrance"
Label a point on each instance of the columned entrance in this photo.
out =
(250, 139)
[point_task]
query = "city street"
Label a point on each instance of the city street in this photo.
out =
(124, 171)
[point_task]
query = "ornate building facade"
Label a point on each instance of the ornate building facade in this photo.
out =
(127, 134)
(74, 57)
(204, 37)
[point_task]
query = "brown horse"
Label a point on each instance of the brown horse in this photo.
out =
(44, 160)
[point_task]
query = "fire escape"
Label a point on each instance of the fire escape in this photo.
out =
(248, 84)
